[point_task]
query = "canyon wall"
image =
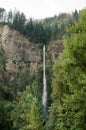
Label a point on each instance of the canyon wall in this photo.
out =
(24, 56)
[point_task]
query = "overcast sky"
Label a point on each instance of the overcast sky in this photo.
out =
(43, 8)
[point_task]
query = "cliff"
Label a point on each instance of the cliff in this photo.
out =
(24, 56)
(54, 51)
(20, 53)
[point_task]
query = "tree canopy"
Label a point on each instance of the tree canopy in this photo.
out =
(68, 109)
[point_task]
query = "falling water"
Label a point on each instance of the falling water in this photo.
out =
(44, 96)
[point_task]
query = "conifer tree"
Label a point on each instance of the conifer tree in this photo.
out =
(28, 113)
(68, 109)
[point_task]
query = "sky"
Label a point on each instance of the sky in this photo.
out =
(39, 9)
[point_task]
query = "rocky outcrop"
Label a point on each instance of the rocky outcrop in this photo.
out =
(24, 56)
(20, 53)
(54, 51)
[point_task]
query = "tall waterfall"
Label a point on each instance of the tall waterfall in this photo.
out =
(44, 96)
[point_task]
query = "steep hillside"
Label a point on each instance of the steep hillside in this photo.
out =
(54, 51)
(24, 58)
(20, 52)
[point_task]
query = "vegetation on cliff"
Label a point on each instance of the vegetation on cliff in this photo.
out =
(23, 111)
(39, 31)
(68, 108)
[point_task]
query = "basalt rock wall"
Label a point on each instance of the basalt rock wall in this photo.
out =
(24, 56)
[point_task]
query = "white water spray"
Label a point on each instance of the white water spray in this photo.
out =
(44, 96)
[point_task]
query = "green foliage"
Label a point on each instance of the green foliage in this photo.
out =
(29, 29)
(36, 32)
(55, 31)
(19, 21)
(28, 115)
(39, 31)
(6, 106)
(68, 109)
(2, 58)
(2, 69)
(10, 16)
(76, 16)
(2, 18)
(5, 112)
(58, 89)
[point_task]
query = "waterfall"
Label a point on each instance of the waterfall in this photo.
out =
(44, 96)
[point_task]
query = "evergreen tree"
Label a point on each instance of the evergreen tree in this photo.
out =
(28, 114)
(2, 10)
(55, 31)
(29, 29)
(5, 104)
(68, 110)
(19, 21)
(76, 16)
(10, 16)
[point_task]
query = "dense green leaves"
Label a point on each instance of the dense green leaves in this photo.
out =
(6, 106)
(68, 107)
(2, 58)
(39, 31)
(68, 110)
(28, 113)
(19, 21)
(35, 32)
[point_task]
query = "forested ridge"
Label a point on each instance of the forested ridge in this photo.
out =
(66, 78)
(39, 31)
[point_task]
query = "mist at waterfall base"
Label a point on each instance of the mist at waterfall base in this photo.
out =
(44, 96)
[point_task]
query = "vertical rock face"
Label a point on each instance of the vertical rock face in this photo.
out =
(20, 53)
(24, 57)
(54, 51)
